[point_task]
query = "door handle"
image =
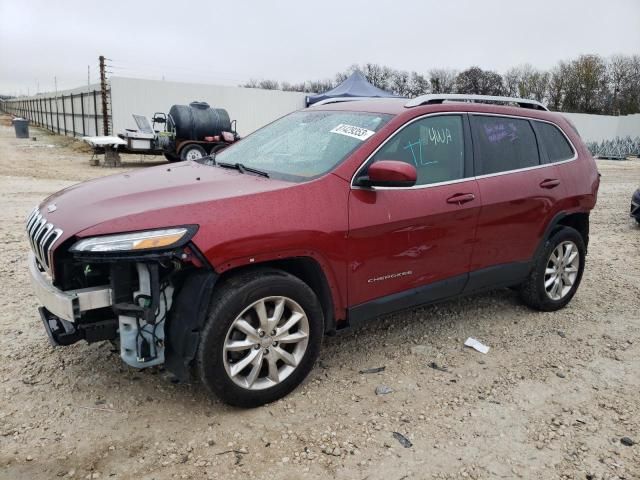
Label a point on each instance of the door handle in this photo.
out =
(461, 198)
(550, 183)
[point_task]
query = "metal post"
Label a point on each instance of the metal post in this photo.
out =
(51, 112)
(64, 117)
(84, 133)
(95, 110)
(57, 115)
(73, 116)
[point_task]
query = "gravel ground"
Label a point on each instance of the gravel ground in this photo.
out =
(552, 399)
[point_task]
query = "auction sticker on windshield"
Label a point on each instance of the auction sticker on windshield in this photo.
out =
(350, 131)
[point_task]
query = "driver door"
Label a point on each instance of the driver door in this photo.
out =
(413, 245)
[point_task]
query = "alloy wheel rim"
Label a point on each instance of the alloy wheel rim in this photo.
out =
(266, 343)
(562, 270)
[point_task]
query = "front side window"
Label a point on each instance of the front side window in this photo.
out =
(434, 145)
(502, 144)
(306, 144)
(553, 141)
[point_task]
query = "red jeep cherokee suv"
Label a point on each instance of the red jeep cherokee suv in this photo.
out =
(234, 267)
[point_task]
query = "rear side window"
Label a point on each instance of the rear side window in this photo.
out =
(554, 143)
(434, 145)
(502, 144)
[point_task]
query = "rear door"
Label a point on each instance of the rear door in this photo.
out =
(520, 195)
(415, 242)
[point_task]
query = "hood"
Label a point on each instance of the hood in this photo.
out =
(148, 198)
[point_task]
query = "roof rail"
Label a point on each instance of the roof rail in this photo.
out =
(459, 97)
(347, 99)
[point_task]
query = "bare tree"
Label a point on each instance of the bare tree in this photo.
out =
(400, 83)
(442, 80)
(630, 93)
(476, 81)
(586, 85)
(318, 86)
(557, 85)
(292, 87)
(378, 75)
(539, 85)
(418, 85)
(619, 71)
(268, 84)
(510, 81)
(251, 83)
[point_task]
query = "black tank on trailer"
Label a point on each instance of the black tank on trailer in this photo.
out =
(198, 120)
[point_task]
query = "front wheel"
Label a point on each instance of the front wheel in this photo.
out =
(261, 339)
(557, 272)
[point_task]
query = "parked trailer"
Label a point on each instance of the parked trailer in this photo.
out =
(187, 132)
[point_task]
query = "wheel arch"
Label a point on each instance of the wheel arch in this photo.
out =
(307, 269)
(579, 221)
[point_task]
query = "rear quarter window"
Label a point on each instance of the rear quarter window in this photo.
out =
(502, 144)
(555, 145)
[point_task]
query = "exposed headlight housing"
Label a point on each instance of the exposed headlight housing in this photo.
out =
(136, 241)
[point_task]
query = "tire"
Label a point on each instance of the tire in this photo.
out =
(192, 152)
(171, 157)
(223, 344)
(533, 291)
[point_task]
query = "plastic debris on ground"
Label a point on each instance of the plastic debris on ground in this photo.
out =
(476, 345)
(404, 441)
(383, 390)
(373, 370)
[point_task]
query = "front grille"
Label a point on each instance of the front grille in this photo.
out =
(42, 236)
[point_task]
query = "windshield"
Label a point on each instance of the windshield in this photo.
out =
(305, 144)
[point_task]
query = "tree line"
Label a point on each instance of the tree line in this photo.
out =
(587, 84)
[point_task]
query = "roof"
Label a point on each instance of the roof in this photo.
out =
(354, 86)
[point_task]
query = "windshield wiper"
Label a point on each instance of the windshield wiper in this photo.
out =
(242, 168)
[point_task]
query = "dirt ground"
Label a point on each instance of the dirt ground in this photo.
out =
(552, 398)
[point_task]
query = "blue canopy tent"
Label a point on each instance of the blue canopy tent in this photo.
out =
(354, 86)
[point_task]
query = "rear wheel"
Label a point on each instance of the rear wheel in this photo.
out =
(192, 152)
(557, 272)
(261, 339)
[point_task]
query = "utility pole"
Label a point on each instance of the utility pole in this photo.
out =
(105, 103)
(111, 157)
(88, 93)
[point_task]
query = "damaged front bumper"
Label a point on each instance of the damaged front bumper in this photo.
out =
(67, 305)
(62, 310)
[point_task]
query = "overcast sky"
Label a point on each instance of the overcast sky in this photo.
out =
(230, 42)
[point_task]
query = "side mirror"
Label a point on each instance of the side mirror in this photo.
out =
(389, 173)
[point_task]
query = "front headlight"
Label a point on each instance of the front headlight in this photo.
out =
(133, 242)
